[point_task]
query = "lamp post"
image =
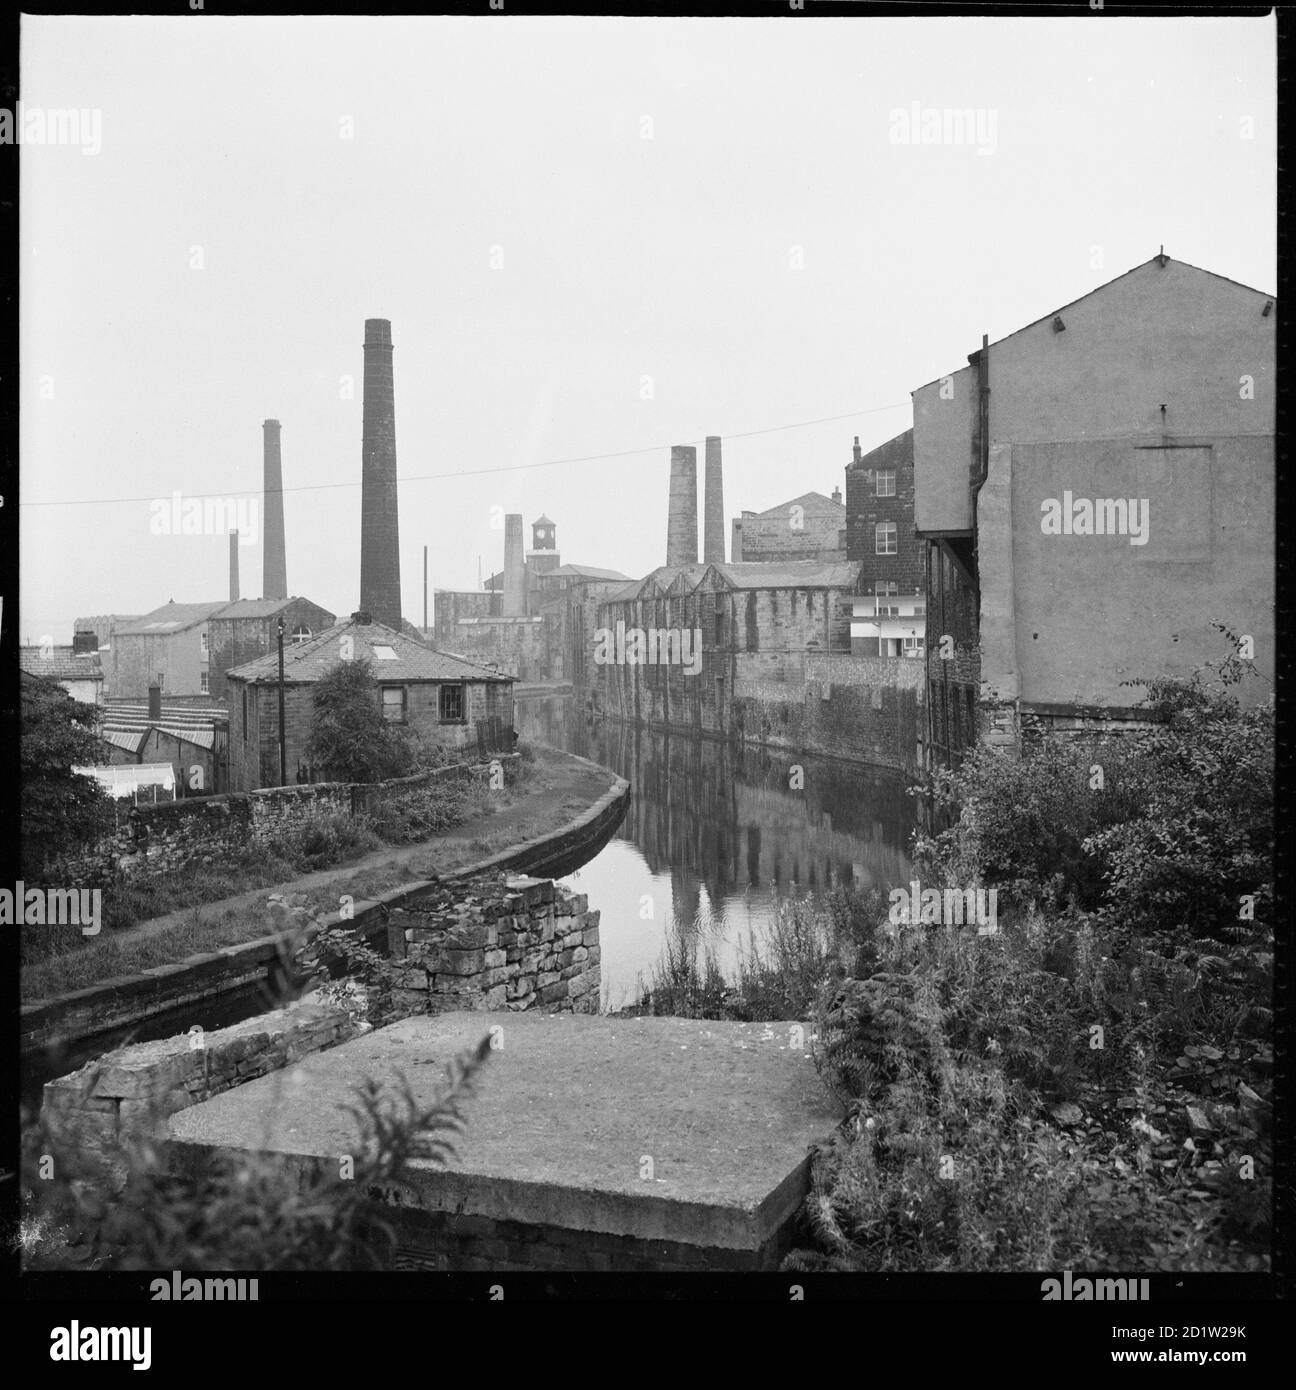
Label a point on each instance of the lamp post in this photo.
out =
(283, 747)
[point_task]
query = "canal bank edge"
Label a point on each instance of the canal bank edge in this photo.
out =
(121, 1005)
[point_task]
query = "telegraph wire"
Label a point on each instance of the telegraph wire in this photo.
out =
(476, 472)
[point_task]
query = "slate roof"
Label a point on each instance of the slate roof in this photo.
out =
(305, 662)
(61, 665)
(171, 617)
(813, 502)
(257, 607)
(749, 574)
(585, 572)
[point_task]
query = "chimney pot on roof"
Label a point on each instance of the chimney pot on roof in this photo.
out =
(836, 494)
(155, 701)
(856, 449)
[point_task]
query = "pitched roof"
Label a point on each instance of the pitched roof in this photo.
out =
(60, 664)
(130, 742)
(1101, 289)
(584, 572)
(259, 607)
(184, 723)
(305, 662)
(893, 451)
(102, 624)
(814, 502)
(543, 520)
(171, 617)
(751, 574)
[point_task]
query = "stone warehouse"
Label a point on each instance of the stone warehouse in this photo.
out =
(454, 702)
(530, 619)
(491, 944)
(248, 628)
(752, 621)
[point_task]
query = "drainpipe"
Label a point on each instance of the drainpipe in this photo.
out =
(981, 360)
(283, 750)
(983, 462)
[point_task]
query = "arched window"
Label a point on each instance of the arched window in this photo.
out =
(300, 633)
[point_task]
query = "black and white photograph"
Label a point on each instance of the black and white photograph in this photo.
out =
(643, 651)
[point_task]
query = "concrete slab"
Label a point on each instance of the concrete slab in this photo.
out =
(656, 1129)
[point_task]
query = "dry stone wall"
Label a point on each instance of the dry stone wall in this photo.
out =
(487, 944)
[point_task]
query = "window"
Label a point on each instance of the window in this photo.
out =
(886, 482)
(245, 714)
(884, 538)
(913, 646)
(884, 605)
(393, 703)
(202, 640)
(452, 704)
(383, 653)
(300, 633)
(204, 683)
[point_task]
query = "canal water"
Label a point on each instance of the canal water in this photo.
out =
(717, 836)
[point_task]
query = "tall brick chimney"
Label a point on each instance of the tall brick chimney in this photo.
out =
(274, 582)
(681, 520)
(234, 582)
(514, 567)
(380, 591)
(713, 537)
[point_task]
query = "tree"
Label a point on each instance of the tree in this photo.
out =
(350, 740)
(61, 808)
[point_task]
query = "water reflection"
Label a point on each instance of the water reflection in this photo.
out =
(718, 834)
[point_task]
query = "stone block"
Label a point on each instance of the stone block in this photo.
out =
(531, 891)
(580, 954)
(470, 936)
(580, 985)
(595, 954)
(590, 936)
(493, 959)
(552, 993)
(495, 997)
(461, 962)
(547, 978)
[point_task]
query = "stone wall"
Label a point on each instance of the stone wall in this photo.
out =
(872, 709)
(519, 944)
(156, 839)
(131, 1092)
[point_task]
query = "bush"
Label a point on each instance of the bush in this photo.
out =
(238, 1214)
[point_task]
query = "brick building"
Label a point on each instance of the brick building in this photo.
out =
(456, 702)
(881, 539)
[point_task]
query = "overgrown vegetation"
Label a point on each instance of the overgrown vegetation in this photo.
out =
(1091, 1087)
(244, 1213)
(350, 739)
(61, 809)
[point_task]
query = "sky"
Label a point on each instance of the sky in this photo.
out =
(594, 238)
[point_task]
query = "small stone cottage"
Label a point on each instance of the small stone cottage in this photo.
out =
(456, 702)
